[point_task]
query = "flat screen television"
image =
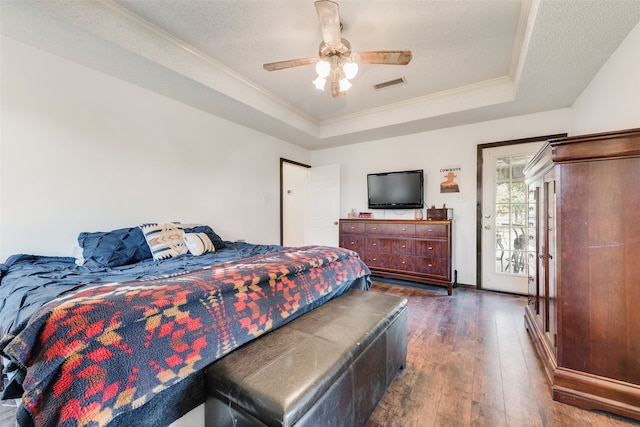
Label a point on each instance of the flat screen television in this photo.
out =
(396, 190)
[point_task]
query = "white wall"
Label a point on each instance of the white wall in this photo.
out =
(82, 151)
(431, 151)
(612, 99)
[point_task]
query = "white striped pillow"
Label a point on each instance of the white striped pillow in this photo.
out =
(198, 243)
(165, 240)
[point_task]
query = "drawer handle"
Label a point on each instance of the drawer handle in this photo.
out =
(375, 244)
(403, 262)
(403, 246)
(430, 248)
(374, 228)
(352, 227)
(430, 230)
(375, 259)
(353, 243)
(404, 229)
(430, 265)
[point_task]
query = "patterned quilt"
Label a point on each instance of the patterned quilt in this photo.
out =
(107, 349)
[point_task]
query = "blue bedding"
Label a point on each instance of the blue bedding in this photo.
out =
(93, 356)
(120, 264)
(29, 281)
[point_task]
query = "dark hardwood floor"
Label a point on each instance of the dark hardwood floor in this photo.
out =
(470, 362)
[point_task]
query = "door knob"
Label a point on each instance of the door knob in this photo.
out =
(487, 227)
(335, 222)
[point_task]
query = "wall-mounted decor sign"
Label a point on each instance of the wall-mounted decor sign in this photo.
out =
(450, 176)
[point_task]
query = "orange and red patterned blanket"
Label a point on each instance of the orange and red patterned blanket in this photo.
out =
(108, 349)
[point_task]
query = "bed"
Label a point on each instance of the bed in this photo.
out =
(106, 343)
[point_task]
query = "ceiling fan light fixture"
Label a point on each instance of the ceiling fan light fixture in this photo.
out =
(350, 69)
(323, 68)
(319, 83)
(345, 84)
(335, 60)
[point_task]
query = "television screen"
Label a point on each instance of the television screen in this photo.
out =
(396, 190)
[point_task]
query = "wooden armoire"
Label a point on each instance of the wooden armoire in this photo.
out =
(583, 309)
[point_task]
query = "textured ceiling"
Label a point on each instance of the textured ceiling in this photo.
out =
(472, 60)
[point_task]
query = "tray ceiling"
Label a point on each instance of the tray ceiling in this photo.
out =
(472, 60)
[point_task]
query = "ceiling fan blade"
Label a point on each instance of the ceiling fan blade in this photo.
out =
(329, 17)
(280, 65)
(391, 57)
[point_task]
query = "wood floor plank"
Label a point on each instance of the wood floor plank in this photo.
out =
(487, 416)
(487, 383)
(459, 373)
(424, 400)
(475, 364)
(454, 409)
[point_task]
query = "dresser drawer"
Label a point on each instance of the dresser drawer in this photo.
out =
(432, 248)
(390, 229)
(389, 261)
(352, 227)
(404, 247)
(378, 245)
(402, 229)
(376, 228)
(433, 267)
(353, 242)
(432, 230)
(389, 246)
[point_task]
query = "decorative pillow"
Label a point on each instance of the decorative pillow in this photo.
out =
(165, 240)
(218, 243)
(113, 248)
(198, 243)
(77, 253)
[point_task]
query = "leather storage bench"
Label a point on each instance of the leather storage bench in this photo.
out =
(328, 367)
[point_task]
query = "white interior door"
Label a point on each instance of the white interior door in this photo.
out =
(294, 200)
(323, 205)
(504, 228)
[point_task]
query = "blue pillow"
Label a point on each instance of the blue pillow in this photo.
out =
(114, 248)
(218, 243)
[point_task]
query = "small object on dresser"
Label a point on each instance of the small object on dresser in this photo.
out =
(365, 215)
(352, 213)
(419, 214)
(439, 213)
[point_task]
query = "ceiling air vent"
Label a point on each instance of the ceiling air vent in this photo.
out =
(390, 83)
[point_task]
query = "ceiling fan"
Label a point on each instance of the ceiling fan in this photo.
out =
(335, 59)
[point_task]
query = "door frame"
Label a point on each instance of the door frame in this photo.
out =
(479, 189)
(282, 162)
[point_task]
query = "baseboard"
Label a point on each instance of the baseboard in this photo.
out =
(593, 392)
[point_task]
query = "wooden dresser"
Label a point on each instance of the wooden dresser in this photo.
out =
(415, 250)
(584, 279)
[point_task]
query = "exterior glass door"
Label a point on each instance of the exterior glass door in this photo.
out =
(505, 228)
